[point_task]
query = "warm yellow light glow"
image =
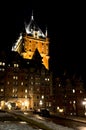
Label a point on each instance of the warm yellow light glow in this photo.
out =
(57, 108)
(84, 102)
(40, 102)
(26, 103)
(9, 106)
(60, 110)
(42, 96)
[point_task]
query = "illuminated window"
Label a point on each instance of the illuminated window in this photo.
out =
(2, 89)
(81, 91)
(70, 102)
(31, 83)
(47, 79)
(15, 77)
(46, 103)
(16, 65)
(14, 90)
(73, 90)
(57, 108)
(49, 104)
(59, 85)
(27, 62)
(8, 82)
(38, 89)
(31, 77)
(42, 96)
(2, 63)
(25, 96)
(2, 69)
(25, 90)
(22, 83)
(74, 102)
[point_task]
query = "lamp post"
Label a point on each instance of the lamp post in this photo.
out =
(84, 103)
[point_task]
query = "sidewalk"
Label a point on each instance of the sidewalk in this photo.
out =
(75, 118)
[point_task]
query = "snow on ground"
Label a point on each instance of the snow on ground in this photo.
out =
(7, 125)
(25, 126)
(52, 125)
(14, 126)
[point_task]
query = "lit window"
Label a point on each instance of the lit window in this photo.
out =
(49, 104)
(48, 79)
(37, 89)
(2, 90)
(3, 64)
(13, 77)
(16, 65)
(42, 96)
(80, 91)
(73, 90)
(45, 79)
(3, 69)
(57, 108)
(21, 83)
(13, 90)
(74, 102)
(27, 62)
(16, 77)
(59, 85)
(31, 77)
(0, 63)
(25, 96)
(8, 82)
(32, 83)
(25, 90)
(70, 102)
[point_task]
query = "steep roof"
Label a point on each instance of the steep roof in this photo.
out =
(32, 26)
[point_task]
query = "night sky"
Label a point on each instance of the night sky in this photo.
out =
(66, 26)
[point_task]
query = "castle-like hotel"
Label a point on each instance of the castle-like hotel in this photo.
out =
(27, 82)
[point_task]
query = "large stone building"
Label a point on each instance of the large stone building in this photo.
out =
(27, 79)
(69, 96)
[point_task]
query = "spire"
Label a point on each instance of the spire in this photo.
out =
(32, 26)
(32, 18)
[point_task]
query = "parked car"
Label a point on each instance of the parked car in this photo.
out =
(45, 113)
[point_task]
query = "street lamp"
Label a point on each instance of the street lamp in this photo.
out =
(84, 103)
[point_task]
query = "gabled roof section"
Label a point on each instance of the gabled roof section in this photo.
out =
(17, 45)
(37, 57)
(32, 27)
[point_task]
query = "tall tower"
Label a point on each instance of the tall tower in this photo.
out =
(33, 39)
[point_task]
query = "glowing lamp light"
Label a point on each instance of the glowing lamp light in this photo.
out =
(84, 102)
(40, 102)
(60, 110)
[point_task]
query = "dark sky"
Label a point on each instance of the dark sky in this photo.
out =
(66, 29)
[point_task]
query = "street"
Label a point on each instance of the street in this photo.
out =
(61, 121)
(69, 123)
(11, 120)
